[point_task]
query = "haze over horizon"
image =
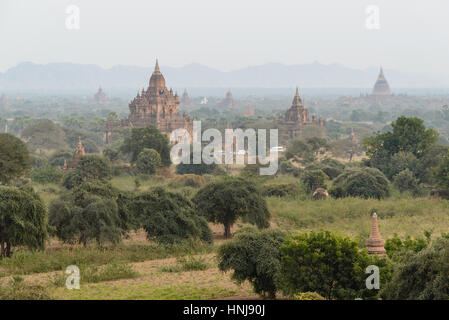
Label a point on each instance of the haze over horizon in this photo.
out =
(229, 35)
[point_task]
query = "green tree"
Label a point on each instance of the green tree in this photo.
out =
(314, 179)
(23, 220)
(94, 167)
(363, 182)
(15, 158)
(44, 134)
(148, 161)
(169, 217)
(147, 137)
(227, 200)
(406, 181)
(255, 256)
(441, 173)
(89, 212)
(421, 276)
(325, 263)
(47, 174)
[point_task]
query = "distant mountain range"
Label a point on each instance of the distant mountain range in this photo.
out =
(66, 77)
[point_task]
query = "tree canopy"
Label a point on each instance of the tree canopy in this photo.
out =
(148, 137)
(229, 199)
(23, 219)
(15, 158)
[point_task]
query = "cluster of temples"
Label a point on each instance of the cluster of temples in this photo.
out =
(155, 106)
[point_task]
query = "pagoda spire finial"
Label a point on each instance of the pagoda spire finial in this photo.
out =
(156, 68)
(297, 91)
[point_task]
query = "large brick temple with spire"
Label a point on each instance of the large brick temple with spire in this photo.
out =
(297, 119)
(155, 106)
(381, 87)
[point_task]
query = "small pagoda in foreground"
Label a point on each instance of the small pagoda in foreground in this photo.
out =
(375, 243)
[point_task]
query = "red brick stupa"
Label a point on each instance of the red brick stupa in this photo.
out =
(375, 243)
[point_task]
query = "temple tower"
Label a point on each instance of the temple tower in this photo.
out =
(381, 87)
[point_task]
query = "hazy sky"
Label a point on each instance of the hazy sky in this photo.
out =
(228, 34)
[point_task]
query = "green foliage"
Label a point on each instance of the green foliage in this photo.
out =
(190, 180)
(441, 173)
(57, 159)
(314, 179)
(112, 271)
(44, 135)
(229, 199)
(396, 247)
(421, 276)
(406, 181)
(46, 175)
(280, 190)
(15, 158)
(308, 296)
(286, 167)
(23, 220)
(90, 212)
(332, 168)
(111, 153)
(325, 263)
(72, 179)
(363, 182)
(410, 145)
(38, 162)
(94, 167)
(169, 217)
(148, 161)
(147, 137)
(254, 256)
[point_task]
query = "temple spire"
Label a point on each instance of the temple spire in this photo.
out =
(297, 91)
(156, 68)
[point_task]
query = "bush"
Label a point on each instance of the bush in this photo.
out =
(72, 179)
(328, 264)
(363, 182)
(406, 181)
(280, 190)
(190, 180)
(421, 276)
(308, 296)
(46, 175)
(169, 217)
(254, 256)
(17, 289)
(314, 179)
(148, 161)
(286, 167)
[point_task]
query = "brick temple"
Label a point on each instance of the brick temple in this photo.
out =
(157, 106)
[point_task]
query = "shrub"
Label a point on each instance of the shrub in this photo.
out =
(190, 180)
(363, 182)
(254, 256)
(308, 296)
(17, 289)
(148, 161)
(314, 179)
(46, 175)
(326, 263)
(15, 158)
(286, 167)
(280, 190)
(169, 217)
(421, 276)
(406, 181)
